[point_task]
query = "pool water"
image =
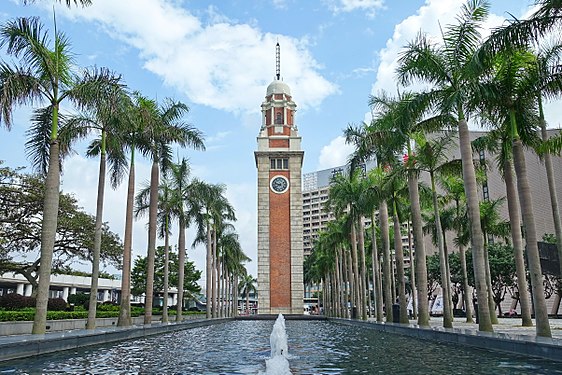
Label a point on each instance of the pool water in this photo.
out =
(315, 347)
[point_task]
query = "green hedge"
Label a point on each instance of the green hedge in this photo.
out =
(28, 314)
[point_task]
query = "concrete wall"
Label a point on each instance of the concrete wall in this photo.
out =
(31, 345)
(24, 327)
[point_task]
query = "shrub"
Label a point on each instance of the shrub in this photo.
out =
(56, 304)
(108, 307)
(79, 299)
(11, 316)
(14, 301)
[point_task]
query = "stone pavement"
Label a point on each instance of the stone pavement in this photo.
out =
(511, 326)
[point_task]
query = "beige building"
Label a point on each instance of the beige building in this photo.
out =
(494, 187)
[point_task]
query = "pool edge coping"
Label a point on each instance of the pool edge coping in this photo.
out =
(540, 347)
(29, 345)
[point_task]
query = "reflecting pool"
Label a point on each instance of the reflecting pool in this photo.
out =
(315, 347)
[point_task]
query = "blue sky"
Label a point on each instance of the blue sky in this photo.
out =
(218, 57)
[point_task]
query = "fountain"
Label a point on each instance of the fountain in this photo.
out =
(241, 347)
(278, 363)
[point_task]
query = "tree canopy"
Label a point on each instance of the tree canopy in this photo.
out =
(21, 212)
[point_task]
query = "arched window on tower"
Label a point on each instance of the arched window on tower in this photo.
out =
(278, 117)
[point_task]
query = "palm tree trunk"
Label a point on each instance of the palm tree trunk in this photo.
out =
(412, 272)
(420, 260)
(477, 241)
(377, 284)
(350, 281)
(399, 254)
(124, 319)
(447, 318)
(152, 213)
(551, 186)
(166, 273)
(214, 274)
(181, 270)
(539, 303)
(48, 233)
(222, 288)
(364, 278)
(91, 322)
(387, 262)
(466, 295)
(342, 282)
(235, 296)
(346, 285)
(462, 255)
(356, 278)
(209, 273)
(491, 303)
(337, 307)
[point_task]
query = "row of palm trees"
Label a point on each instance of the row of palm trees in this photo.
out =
(44, 77)
(500, 83)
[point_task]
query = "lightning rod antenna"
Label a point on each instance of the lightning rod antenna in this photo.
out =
(278, 61)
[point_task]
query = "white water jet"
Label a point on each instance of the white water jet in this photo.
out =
(278, 363)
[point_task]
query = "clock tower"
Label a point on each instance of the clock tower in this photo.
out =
(279, 162)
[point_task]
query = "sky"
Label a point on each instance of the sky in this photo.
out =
(218, 57)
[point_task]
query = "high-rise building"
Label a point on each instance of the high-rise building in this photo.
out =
(315, 191)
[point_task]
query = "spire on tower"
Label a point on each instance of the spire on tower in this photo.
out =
(278, 61)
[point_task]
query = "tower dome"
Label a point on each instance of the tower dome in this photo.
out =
(278, 87)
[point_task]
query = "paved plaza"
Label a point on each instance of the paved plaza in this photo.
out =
(511, 326)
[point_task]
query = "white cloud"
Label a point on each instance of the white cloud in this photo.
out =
(81, 178)
(221, 64)
(243, 197)
(429, 18)
(280, 4)
(370, 7)
(334, 154)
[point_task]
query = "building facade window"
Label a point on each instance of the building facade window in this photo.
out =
(279, 163)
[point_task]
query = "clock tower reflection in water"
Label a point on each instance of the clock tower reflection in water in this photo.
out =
(279, 162)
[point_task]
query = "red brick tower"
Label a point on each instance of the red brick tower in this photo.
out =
(279, 162)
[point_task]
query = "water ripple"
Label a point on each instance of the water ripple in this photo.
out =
(315, 348)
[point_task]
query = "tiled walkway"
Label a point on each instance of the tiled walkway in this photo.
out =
(510, 326)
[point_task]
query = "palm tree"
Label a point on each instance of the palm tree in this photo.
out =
(221, 212)
(547, 83)
(44, 74)
(139, 113)
(374, 182)
(454, 73)
(400, 119)
(166, 127)
(499, 142)
(395, 185)
(246, 286)
(453, 186)
(431, 156)
(166, 206)
(211, 209)
(344, 196)
(233, 259)
(511, 100)
(108, 118)
(182, 204)
(520, 33)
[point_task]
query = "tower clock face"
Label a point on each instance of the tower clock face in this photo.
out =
(279, 184)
